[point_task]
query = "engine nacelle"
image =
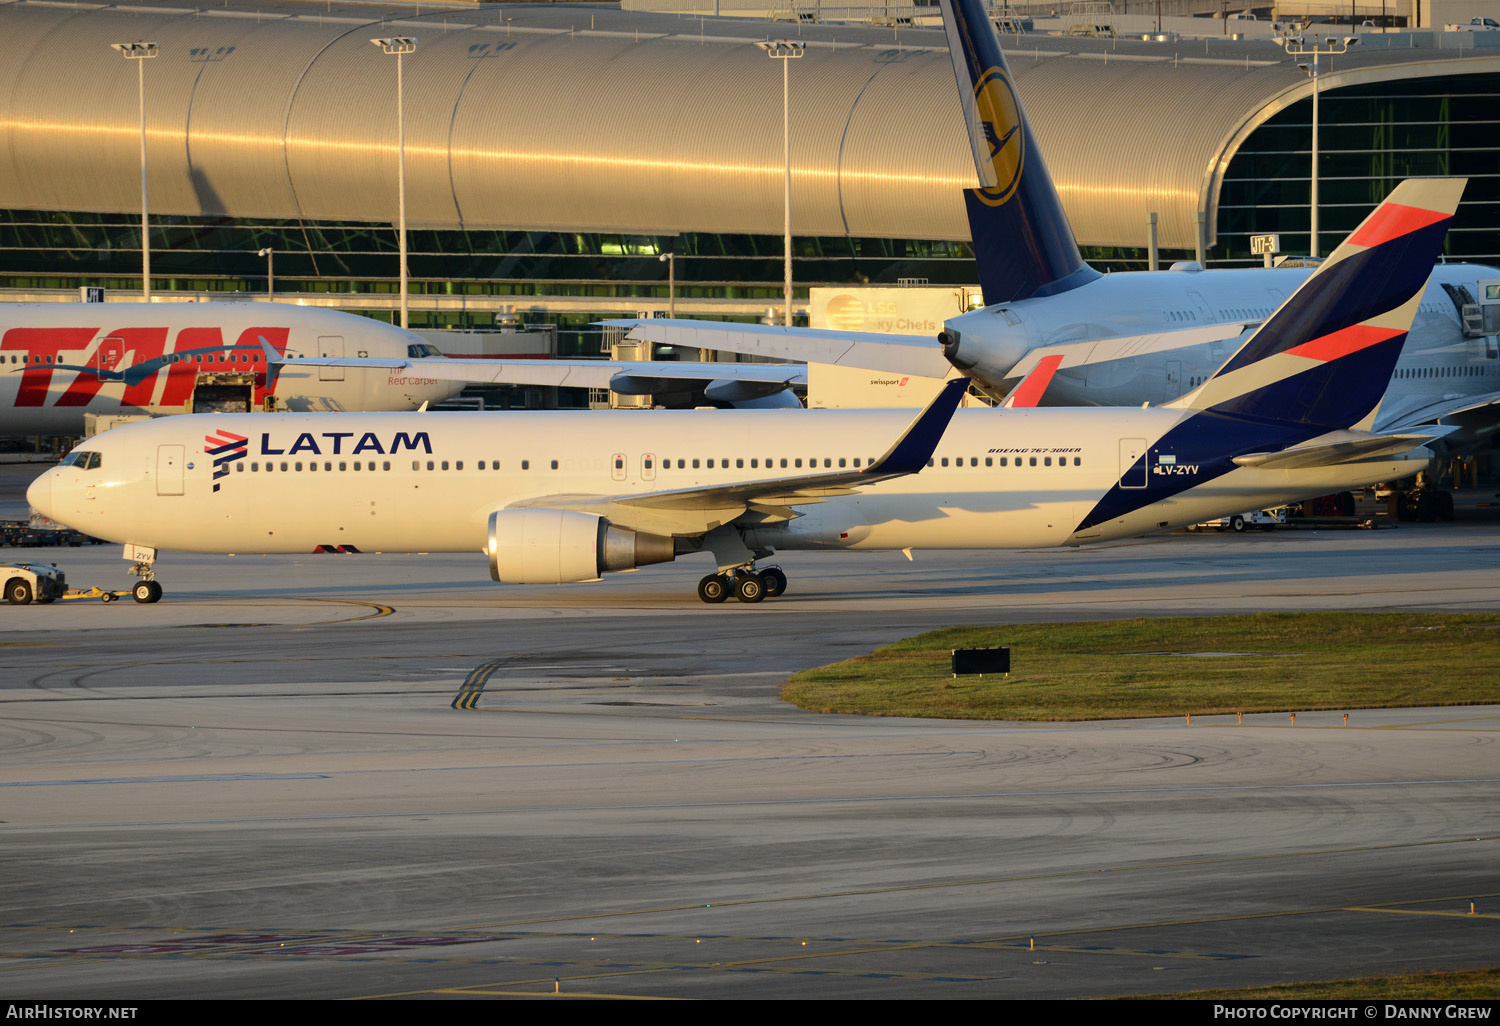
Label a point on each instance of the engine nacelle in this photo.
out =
(559, 546)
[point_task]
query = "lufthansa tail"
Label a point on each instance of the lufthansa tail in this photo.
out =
(1022, 240)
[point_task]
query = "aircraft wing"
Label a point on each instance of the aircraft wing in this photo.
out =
(727, 381)
(1417, 410)
(895, 354)
(687, 512)
(1078, 354)
(1348, 447)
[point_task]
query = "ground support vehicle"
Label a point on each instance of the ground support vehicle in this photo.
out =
(32, 582)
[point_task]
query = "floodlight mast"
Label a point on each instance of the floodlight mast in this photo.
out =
(400, 46)
(784, 51)
(1295, 47)
(140, 52)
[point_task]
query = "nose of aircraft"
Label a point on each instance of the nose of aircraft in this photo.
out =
(39, 494)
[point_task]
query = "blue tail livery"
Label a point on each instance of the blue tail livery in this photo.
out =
(1022, 240)
(1310, 380)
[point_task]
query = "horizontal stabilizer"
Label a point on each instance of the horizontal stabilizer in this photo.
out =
(1352, 447)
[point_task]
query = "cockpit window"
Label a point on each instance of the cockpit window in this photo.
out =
(82, 459)
(419, 350)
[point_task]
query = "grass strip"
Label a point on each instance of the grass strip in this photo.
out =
(1115, 669)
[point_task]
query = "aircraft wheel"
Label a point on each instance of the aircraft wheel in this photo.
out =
(1237, 524)
(155, 591)
(18, 592)
(142, 592)
(713, 588)
(749, 587)
(774, 582)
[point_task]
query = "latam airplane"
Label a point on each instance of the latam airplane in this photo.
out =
(565, 497)
(1146, 336)
(59, 361)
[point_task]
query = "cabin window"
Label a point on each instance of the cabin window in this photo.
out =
(525, 464)
(739, 463)
(797, 461)
(239, 467)
(856, 461)
(783, 462)
(710, 464)
(1047, 461)
(945, 461)
(695, 464)
(930, 462)
(989, 461)
(754, 464)
(1033, 461)
(416, 465)
(297, 466)
(255, 467)
(328, 466)
(554, 464)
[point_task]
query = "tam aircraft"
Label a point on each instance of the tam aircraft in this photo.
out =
(554, 497)
(1125, 338)
(59, 361)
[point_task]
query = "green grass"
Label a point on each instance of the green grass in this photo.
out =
(1130, 668)
(1476, 985)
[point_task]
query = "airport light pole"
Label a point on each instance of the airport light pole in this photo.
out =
(670, 257)
(269, 254)
(140, 52)
(785, 51)
(400, 46)
(1295, 47)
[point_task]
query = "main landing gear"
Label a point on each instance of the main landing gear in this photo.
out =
(745, 582)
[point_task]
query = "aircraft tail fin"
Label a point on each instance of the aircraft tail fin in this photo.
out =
(1325, 357)
(1022, 240)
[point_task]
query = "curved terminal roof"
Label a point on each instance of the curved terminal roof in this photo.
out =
(593, 119)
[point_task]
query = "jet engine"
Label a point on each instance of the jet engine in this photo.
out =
(558, 546)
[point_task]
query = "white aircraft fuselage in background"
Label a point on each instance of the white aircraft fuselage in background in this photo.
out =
(59, 361)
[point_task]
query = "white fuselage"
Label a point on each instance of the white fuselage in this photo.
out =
(1438, 358)
(188, 346)
(429, 482)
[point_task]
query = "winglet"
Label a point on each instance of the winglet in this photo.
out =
(916, 446)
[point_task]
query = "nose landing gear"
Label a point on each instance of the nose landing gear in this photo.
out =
(147, 590)
(745, 582)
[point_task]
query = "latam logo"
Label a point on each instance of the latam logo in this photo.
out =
(225, 447)
(333, 444)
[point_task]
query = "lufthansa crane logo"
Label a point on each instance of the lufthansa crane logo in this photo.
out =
(1000, 120)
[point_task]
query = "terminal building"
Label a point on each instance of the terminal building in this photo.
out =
(555, 154)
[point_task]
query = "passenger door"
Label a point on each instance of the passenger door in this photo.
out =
(1132, 466)
(169, 469)
(331, 345)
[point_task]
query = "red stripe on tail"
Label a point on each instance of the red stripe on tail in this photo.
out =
(1392, 220)
(1345, 341)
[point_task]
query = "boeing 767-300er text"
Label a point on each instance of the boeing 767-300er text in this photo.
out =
(562, 497)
